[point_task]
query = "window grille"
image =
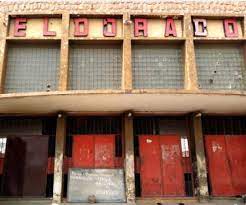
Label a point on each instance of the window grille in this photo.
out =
(95, 67)
(220, 67)
(32, 68)
(215, 125)
(93, 125)
(157, 66)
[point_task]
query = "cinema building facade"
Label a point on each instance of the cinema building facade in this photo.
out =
(152, 94)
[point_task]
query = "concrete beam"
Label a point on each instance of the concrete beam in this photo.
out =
(127, 56)
(59, 153)
(190, 78)
(64, 58)
(200, 158)
(129, 158)
(3, 49)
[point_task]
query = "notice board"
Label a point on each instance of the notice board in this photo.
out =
(105, 185)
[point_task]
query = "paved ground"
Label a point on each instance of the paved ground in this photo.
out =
(237, 201)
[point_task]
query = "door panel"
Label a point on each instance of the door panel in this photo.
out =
(172, 170)
(83, 151)
(25, 166)
(237, 158)
(35, 166)
(150, 168)
(104, 151)
(14, 167)
(220, 173)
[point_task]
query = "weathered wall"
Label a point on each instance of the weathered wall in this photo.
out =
(115, 6)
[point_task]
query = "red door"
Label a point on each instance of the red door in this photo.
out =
(83, 151)
(172, 169)
(93, 151)
(161, 166)
(104, 151)
(226, 158)
(150, 169)
(25, 166)
(218, 166)
(236, 146)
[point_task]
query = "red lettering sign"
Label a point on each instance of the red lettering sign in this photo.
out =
(46, 31)
(109, 27)
(20, 27)
(140, 27)
(170, 28)
(230, 28)
(77, 23)
(200, 23)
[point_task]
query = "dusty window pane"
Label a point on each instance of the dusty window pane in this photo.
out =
(220, 67)
(32, 68)
(157, 66)
(95, 67)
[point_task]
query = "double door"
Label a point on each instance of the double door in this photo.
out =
(161, 167)
(93, 151)
(226, 160)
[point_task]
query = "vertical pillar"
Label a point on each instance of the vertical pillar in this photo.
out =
(200, 157)
(190, 81)
(3, 33)
(59, 153)
(129, 158)
(126, 65)
(64, 58)
(244, 35)
(244, 26)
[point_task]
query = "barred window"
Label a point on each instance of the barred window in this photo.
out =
(157, 66)
(95, 67)
(220, 66)
(32, 68)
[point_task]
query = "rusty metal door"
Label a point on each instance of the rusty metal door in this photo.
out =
(104, 151)
(226, 157)
(14, 167)
(93, 151)
(25, 166)
(83, 151)
(150, 168)
(172, 169)
(236, 146)
(161, 166)
(35, 170)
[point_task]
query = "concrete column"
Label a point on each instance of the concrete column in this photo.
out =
(190, 78)
(200, 157)
(59, 153)
(64, 58)
(129, 158)
(244, 26)
(127, 50)
(3, 49)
